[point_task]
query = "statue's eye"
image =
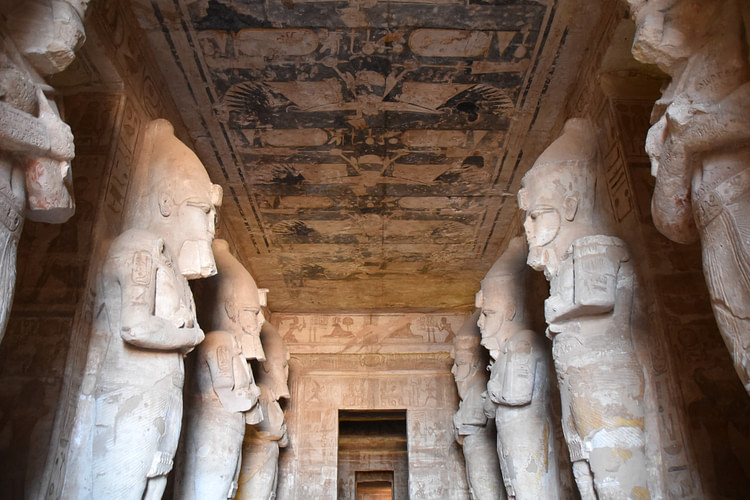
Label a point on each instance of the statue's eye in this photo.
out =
(205, 207)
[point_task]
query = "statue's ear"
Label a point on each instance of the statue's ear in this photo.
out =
(523, 199)
(570, 207)
(479, 299)
(511, 313)
(166, 204)
(229, 308)
(216, 195)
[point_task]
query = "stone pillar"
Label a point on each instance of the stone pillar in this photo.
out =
(37, 38)
(588, 314)
(473, 429)
(519, 389)
(129, 410)
(220, 391)
(699, 145)
(260, 451)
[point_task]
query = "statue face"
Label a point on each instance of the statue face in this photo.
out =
(196, 219)
(462, 361)
(279, 378)
(666, 30)
(464, 366)
(542, 227)
(250, 318)
(276, 422)
(496, 310)
(178, 200)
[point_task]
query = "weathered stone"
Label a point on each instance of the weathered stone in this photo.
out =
(221, 393)
(473, 429)
(588, 314)
(699, 146)
(519, 389)
(130, 407)
(258, 478)
(36, 145)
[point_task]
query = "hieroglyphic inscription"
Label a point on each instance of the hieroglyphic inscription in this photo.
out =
(368, 333)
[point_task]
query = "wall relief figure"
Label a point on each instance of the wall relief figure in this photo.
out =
(474, 431)
(699, 146)
(130, 407)
(37, 38)
(588, 314)
(519, 389)
(260, 451)
(220, 391)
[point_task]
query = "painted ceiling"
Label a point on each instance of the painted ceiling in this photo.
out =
(369, 150)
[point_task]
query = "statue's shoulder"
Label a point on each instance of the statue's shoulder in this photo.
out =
(135, 251)
(598, 240)
(219, 338)
(525, 340)
(137, 241)
(600, 245)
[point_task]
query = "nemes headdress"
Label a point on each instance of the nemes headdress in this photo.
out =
(565, 170)
(223, 294)
(169, 173)
(508, 271)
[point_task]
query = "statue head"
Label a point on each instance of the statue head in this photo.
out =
(274, 371)
(47, 32)
(273, 425)
(467, 355)
(501, 299)
(559, 194)
(177, 200)
(667, 31)
(231, 301)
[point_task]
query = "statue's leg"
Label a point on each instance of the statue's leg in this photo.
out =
(155, 488)
(124, 444)
(584, 480)
(237, 467)
(524, 434)
(163, 457)
(212, 449)
(8, 249)
(482, 467)
(726, 267)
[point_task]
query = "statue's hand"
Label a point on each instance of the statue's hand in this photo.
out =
(682, 115)
(161, 334)
(194, 336)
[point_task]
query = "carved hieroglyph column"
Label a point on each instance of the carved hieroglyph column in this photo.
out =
(699, 146)
(260, 452)
(37, 38)
(220, 392)
(519, 386)
(588, 314)
(130, 407)
(474, 431)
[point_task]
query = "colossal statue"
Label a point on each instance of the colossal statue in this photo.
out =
(588, 314)
(519, 386)
(699, 146)
(221, 394)
(472, 428)
(37, 38)
(260, 451)
(144, 324)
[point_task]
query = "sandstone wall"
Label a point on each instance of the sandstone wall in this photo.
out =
(109, 94)
(373, 362)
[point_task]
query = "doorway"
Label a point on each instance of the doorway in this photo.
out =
(372, 455)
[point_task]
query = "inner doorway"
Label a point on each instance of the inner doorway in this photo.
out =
(372, 455)
(374, 485)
